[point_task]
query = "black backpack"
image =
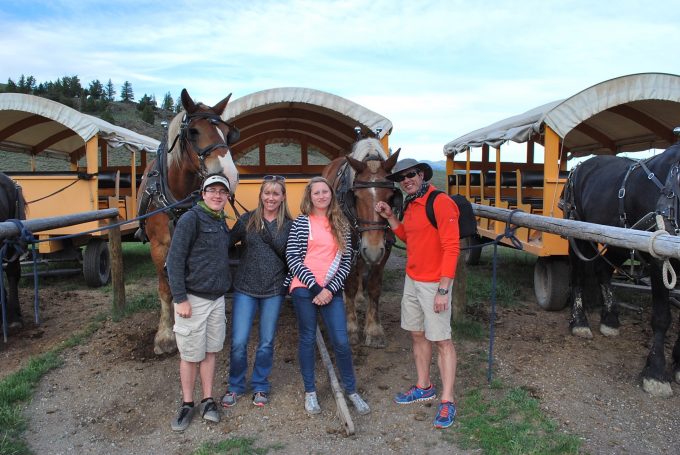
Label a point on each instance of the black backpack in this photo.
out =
(467, 224)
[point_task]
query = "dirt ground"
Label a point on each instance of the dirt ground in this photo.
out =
(114, 396)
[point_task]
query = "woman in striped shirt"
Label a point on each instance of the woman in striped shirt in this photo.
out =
(319, 256)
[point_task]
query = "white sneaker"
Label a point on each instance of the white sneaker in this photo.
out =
(359, 404)
(311, 403)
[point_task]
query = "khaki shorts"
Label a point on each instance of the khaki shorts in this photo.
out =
(204, 331)
(417, 310)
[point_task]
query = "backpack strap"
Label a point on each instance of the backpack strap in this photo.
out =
(429, 207)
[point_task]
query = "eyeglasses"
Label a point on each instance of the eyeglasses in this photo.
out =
(220, 191)
(274, 178)
(408, 175)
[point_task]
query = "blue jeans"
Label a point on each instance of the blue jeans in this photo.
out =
(243, 313)
(334, 317)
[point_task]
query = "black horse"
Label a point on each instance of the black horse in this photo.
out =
(621, 192)
(12, 206)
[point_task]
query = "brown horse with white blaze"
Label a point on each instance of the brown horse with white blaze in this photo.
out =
(200, 142)
(359, 182)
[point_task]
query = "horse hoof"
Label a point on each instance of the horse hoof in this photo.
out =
(657, 388)
(608, 331)
(15, 325)
(164, 345)
(582, 332)
(375, 342)
(353, 338)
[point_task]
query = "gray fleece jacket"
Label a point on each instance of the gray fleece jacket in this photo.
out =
(198, 260)
(261, 270)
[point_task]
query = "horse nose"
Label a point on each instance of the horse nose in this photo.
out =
(372, 255)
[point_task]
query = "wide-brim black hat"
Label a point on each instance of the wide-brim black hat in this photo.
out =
(408, 163)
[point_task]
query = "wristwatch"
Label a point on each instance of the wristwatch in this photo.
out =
(442, 291)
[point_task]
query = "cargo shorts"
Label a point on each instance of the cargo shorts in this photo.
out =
(204, 331)
(417, 310)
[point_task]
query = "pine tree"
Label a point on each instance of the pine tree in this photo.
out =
(126, 93)
(110, 92)
(147, 114)
(168, 103)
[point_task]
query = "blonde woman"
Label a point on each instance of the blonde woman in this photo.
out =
(258, 286)
(319, 256)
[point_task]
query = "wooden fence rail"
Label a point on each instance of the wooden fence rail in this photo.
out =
(662, 245)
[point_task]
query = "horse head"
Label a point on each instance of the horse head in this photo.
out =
(369, 187)
(204, 140)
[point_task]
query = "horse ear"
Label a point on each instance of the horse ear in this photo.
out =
(221, 106)
(187, 102)
(357, 165)
(392, 160)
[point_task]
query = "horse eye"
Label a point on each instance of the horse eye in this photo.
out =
(193, 133)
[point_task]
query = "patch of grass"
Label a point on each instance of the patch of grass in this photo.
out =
(468, 329)
(508, 421)
(141, 302)
(18, 387)
(240, 446)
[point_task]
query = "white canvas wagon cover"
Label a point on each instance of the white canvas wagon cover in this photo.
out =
(31, 123)
(626, 114)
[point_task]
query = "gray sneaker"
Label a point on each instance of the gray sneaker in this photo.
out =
(359, 404)
(260, 399)
(311, 403)
(209, 411)
(183, 418)
(229, 399)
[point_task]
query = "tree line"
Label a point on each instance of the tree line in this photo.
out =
(95, 98)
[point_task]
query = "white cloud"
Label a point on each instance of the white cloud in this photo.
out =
(437, 69)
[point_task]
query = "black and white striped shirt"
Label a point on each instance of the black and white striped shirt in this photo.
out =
(296, 251)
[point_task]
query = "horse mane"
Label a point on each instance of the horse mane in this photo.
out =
(368, 149)
(174, 158)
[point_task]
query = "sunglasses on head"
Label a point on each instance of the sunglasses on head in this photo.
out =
(274, 178)
(408, 175)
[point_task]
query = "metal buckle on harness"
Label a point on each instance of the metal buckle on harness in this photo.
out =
(622, 193)
(650, 176)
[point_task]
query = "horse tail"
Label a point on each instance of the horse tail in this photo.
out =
(21, 209)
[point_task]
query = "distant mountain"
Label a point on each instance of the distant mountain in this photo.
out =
(436, 165)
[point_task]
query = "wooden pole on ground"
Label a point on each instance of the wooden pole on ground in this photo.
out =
(117, 279)
(343, 410)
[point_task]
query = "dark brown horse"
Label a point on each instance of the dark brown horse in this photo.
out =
(199, 145)
(359, 181)
(12, 206)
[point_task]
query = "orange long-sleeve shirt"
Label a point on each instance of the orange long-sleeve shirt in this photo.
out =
(431, 253)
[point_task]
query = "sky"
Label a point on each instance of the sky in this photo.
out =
(436, 69)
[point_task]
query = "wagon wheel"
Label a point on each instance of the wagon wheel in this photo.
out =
(472, 255)
(96, 263)
(551, 283)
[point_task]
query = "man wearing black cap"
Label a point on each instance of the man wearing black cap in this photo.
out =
(432, 253)
(198, 273)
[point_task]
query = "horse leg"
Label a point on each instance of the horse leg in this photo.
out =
(578, 323)
(13, 271)
(676, 356)
(164, 341)
(609, 316)
(351, 288)
(654, 379)
(373, 330)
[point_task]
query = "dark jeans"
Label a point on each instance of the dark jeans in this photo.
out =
(243, 313)
(335, 320)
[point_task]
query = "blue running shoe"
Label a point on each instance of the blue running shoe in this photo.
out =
(445, 415)
(414, 394)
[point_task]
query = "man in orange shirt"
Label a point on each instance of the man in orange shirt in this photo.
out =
(432, 254)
